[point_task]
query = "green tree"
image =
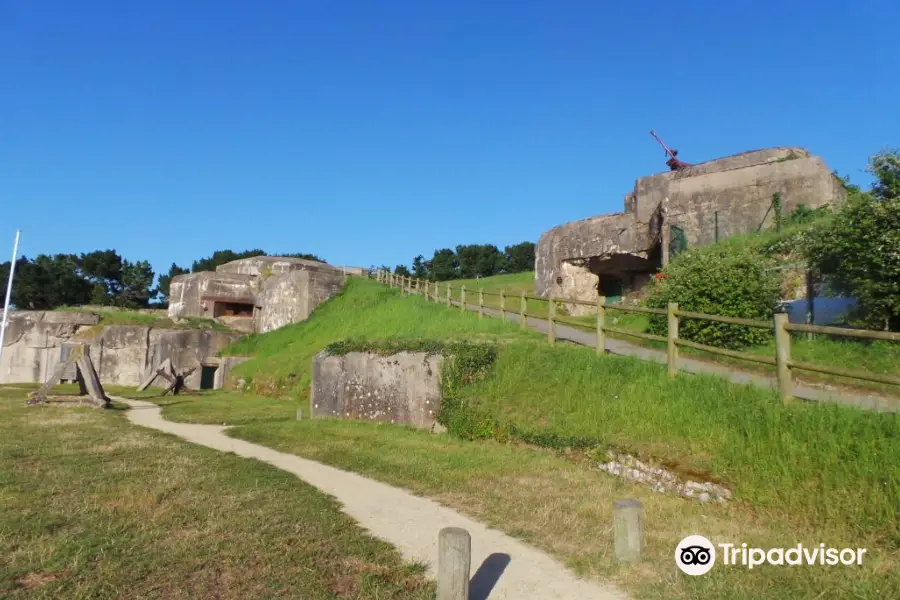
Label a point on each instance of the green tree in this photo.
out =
(420, 267)
(220, 257)
(444, 265)
(165, 281)
(519, 257)
(858, 250)
(479, 260)
(46, 282)
(103, 269)
(303, 255)
(136, 285)
(402, 271)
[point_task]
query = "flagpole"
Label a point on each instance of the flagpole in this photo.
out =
(12, 270)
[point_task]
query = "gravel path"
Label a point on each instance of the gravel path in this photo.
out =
(503, 568)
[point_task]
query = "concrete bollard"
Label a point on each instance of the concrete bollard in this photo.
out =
(299, 414)
(628, 529)
(454, 563)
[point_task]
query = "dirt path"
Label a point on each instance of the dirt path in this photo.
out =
(502, 567)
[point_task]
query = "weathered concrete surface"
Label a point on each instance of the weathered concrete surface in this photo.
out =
(32, 342)
(122, 354)
(278, 290)
(404, 388)
(626, 246)
(186, 292)
(292, 296)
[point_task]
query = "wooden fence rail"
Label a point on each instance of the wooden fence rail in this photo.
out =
(780, 325)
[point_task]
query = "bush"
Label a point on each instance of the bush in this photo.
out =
(727, 280)
(858, 251)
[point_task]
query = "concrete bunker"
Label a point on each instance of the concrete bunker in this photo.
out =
(617, 254)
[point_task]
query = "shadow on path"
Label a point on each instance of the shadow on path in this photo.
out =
(487, 576)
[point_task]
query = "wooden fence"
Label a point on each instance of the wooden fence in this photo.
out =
(780, 325)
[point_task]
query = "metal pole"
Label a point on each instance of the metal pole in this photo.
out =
(12, 270)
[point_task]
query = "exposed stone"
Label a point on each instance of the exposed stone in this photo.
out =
(617, 253)
(661, 480)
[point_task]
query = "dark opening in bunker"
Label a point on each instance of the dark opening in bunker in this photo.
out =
(232, 309)
(622, 273)
(208, 377)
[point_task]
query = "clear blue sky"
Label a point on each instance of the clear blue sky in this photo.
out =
(369, 131)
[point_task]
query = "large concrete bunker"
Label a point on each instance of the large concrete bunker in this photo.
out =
(617, 254)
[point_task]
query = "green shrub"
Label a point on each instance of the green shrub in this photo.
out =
(726, 280)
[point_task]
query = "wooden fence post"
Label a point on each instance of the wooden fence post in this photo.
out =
(523, 312)
(462, 299)
(417, 285)
(601, 323)
(551, 324)
(783, 357)
(449, 303)
(480, 303)
(454, 563)
(502, 305)
(427, 288)
(628, 528)
(671, 346)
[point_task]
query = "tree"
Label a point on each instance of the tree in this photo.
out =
(444, 265)
(165, 281)
(220, 257)
(303, 255)
(47, 282)
(479, 260)
(858, 250)
(420, 267)
(519, 257)
(135, 285)
(103, 269)
(402, 271)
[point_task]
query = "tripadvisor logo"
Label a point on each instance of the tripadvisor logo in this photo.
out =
(696, 555)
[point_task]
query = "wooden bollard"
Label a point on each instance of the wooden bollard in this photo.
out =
(628, 529)
(454, 563)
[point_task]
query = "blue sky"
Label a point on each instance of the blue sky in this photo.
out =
(370, 131)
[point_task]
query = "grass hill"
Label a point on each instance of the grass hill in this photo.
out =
(800, 473)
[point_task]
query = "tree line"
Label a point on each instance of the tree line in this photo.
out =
(469, 261)
(102, 278)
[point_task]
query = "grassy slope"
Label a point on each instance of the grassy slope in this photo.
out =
(93, 507)
(820, 471)
(283, 358)
(876, 357)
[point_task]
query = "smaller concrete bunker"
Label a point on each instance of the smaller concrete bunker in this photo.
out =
(257, 294)
(404, 388)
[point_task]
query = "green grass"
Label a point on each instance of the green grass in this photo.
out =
(800, 473)
(94, 507)
(874, 357)
(558, 504)
(366, 310)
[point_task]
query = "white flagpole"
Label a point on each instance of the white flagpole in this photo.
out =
(12, 270)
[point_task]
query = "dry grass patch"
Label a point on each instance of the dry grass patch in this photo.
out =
(561, 507)
(94, 507)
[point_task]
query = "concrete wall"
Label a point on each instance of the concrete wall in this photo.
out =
(186, 292)
(739, 188)
(33, 339)
(122, 354)
(404, 389)
(284, 290)
(292, 296)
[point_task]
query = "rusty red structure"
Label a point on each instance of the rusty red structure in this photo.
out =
(673, 163)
